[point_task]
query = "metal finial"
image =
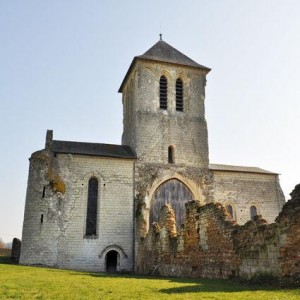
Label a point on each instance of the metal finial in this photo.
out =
(160, 36)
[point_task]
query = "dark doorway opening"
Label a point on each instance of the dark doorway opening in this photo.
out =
(111, 261)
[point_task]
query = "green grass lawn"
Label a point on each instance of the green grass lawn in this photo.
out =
(20, 282)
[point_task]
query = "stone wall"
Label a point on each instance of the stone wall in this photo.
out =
(241, 190)
(56, 206)
(150, 130)
(210, 245)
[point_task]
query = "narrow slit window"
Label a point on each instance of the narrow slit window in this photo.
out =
(44, 190)
(42, 218)
(92, 203)
(229, 209)
(163, 93)
(253, 212)
(171, 155)
(179, 95)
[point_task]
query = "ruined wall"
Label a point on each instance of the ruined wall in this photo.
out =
(242, 190)
(211, 246)
(272, 249)
(202, 248)
(56, 206)
(149, 176)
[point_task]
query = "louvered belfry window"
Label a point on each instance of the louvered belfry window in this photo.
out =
(179, 95)
(163, 93)
(91, 216)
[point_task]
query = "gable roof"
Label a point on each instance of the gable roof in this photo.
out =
(229, 168)
(93, 149)
(163, 52)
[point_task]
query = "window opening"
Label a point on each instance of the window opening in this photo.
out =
(179, 95)
(163, 92)
(42, 218)
(91, 216)
(171, 155)
(229, 209)
(253, 212)
(44, 190)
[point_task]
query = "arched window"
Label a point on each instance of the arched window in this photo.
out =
(171, 155)
(172, 192)
(253, 212)
(179, 95)
(163, 92)
(92, 203)
(229, 210)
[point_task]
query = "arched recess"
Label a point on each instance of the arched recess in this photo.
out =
(173, 192)
(113, 247)
(231, 211)
(92, 207)
(85, 184)
(253, 211)
(112, 255)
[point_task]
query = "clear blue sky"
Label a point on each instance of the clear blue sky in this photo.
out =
(62, 62)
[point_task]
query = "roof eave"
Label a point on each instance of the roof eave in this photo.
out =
(127, 74)
(206, 69)
(258, 171)
(98, 155)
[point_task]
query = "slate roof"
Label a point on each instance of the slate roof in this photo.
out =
(164, 52)
(105, 150)
(229, 168)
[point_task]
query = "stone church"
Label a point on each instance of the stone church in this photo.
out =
(89, 206)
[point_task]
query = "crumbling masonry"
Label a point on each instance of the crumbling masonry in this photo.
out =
(210, 245)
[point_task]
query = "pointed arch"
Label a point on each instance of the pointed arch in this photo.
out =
(173, 192)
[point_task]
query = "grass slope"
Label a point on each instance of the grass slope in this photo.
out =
(20, 282)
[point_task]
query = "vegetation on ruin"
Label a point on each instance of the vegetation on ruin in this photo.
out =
(20, 282)
(56, 182)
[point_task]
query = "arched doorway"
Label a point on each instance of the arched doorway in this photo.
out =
(112, 260)
(175, 193)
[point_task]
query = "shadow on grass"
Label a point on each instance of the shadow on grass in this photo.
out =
(189, 285)
(7, 260)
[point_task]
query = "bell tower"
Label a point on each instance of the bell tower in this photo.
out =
(163, 97)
